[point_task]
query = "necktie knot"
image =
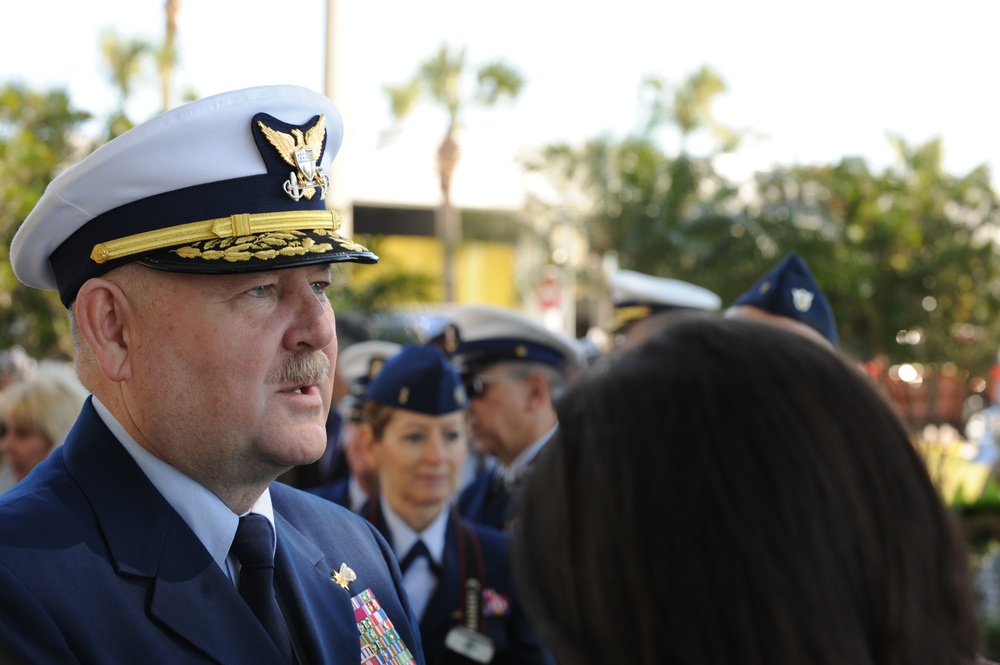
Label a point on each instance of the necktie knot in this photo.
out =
(254, 542)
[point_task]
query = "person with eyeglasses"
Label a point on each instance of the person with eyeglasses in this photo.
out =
(513, 368)
(457, 574)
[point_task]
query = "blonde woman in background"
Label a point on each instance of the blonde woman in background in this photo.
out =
(36, 413)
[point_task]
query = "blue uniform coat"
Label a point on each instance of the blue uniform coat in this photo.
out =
(97, 567)
(337, 491)
(486, 501)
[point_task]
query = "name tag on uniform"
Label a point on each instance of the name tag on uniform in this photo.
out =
(470, 644)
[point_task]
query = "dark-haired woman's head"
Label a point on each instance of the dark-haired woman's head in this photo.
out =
(732, 492)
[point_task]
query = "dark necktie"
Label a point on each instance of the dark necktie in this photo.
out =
(418, 550)
(253, 546)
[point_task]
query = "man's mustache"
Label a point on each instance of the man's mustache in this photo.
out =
(303, 367)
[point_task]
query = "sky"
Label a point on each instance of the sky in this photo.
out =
(814, 82)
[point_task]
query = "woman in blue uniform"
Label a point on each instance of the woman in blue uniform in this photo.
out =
(457, 575)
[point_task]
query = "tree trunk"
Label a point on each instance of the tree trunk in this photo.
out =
(447, 219)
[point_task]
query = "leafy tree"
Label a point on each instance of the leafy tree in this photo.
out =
(38, 139)
(911, 249)
(124, 58)
(661, 214)
(441, 78)
(389, 286)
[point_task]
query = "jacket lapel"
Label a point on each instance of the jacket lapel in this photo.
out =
(146, 538)
(312, 597)
(439, 617)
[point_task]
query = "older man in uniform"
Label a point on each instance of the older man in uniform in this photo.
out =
(193, 255)
(512, 367)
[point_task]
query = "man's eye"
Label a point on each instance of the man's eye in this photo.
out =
(259, 291)
(414, 437)
(320, 287)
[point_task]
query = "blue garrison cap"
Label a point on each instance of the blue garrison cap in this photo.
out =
(418, 378)
(790, 290)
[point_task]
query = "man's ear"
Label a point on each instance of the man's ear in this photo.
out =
(538, 389)
(102, 314)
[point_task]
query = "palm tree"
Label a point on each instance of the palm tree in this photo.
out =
(166, 56)
(662, 214)
(124, 61)
(440, 78)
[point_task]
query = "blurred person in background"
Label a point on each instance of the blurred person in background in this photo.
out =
(15, 364)
(457, 575)
(513, 369)
(643, 303)
(733, 492)
(36, 413)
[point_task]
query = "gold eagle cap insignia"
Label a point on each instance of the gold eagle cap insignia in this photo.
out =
(303, 151)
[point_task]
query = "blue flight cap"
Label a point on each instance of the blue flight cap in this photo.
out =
(485, 335)
(419, 378)
(235, 182)
(790, 290)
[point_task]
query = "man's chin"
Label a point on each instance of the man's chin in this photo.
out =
(297, 451)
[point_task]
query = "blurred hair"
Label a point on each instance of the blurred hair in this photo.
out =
(377, 417)
(47, 403)
(731, 492)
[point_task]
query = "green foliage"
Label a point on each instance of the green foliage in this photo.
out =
(124, 60)
(389, 286)
(442, 79)
(38, 139)
(910, 248)
(661, 214)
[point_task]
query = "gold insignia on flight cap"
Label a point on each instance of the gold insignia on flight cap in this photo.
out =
(404, 395)
(521, 351)
(764, 288)
(302, 151)
(344, 576)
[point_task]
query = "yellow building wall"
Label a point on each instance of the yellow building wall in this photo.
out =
(484, 272)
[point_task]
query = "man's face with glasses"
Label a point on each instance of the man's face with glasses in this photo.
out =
(476, 384)
(498, 395)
